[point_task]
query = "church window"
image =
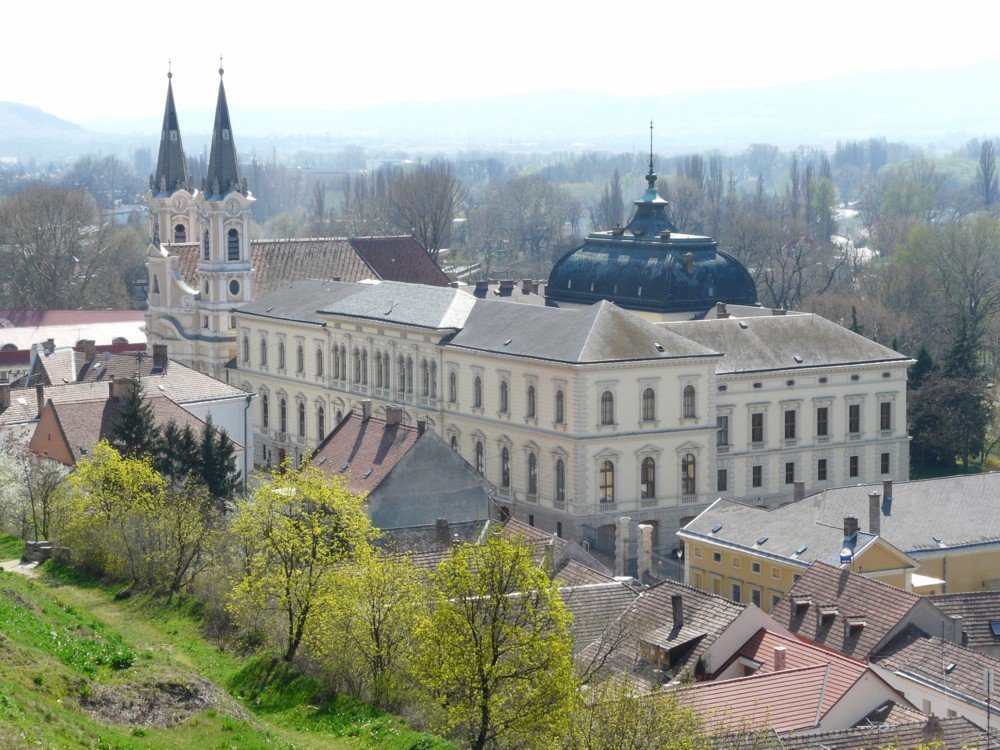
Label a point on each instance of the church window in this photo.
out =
(454, 443)
(265, 412)
(319, 362)
(180, 233)
(320, 422)
(343, 362)
(434, 379)
(300, 359)
(409, 374)
(480, 458)
(234, 287)
(302, 419)
(357, 365)
(225, 134)
(647, 478)
(505, 467)
(560, 480)
(263, 352)
(648, 405)
(364, 367)
(689, 410)
(688, 475)
(336, 362)
(606, 482)
(504, 397)
(401, 374)
(246, 348)
(607, 408)
(233, 244)
(532, 474)
(560, 407)
(281, 355)
(205, 246)
(156, 284)
(452, 388)
(173, 137)
(530, 398)
(425, 378)
(385, 370)
(282, 415)
(477, 393)
(379, 370)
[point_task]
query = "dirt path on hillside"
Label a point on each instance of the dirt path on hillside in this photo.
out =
(18, 566)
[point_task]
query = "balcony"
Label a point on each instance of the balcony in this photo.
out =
(885, 433)
(607, 507)
(854, 436)
(758, 446)
(649, 502)
(531, 498)
(822, 438)
(722, 449)
(559, 504)
(791, 442)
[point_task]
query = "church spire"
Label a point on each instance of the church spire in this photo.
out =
(650, 216)
(171, 166)
(223, 166)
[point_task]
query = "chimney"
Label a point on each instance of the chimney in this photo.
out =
(887, 496)
(959, 632)
(40, 397)
(366, 410)
(120, 387)
(89, 348)
(645, 562)
(780, 658)
(677, 607)
(526, 286)
(393, 415)
(622, 546)
(720, 310)
(49, 344)
(798, 491)
(482, 286)
(850, 526)
(506, 287)
(159, 355)
(688, 263)
(442, 533)
(4, 394)
(421, 426)
(874, 513)
(778, 311)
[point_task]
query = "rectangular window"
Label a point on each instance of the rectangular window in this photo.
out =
(737, 593)
(790, 415)
(823, 421)
(854, 418)
(789, 472)
(775, 598)
(775, 572)
(717, 557)
(559, 529)
(722, 480)
(755, 596)
(755, 567)
(854, 466)
(736, 562)
(757, 476)
(722, 430)
(697, 551)
(821, 470)
(757, 427)
(885, 415)
(885, 463)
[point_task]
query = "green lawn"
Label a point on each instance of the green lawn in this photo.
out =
(63, 638)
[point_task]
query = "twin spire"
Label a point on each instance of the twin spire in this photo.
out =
(223, 175)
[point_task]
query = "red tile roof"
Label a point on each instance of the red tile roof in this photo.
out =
(38, 318)
(400, 259)
(358, 444)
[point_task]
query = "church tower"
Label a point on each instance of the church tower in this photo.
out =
(173, 215)
(224, 266)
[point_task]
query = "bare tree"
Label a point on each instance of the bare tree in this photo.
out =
(426, 201)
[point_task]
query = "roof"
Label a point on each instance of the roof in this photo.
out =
(782, 342)
(422, 545)
(223, 175)
(575, 573)
(507, 291)
(416, 305)
(947, 733)
(278, 263)
(66, 328)
(595, 607)
(914, 654)
(39, 318)
(364, 451)
(602, 332)
(651, 616)
(171, 166)
(978, 609)
(298, 301)
(854, 595)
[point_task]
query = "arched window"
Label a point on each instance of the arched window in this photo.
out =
(357, 365)
(343, 363)
(401, 373)
(385, 371)
(607, 408)
(688, 474)
(281, 355)
(205, 245)
(156, 284)
(364, 367)
(532, 474)
(504, 397)
(378, 371)
(180, 233)
(246, 348)
(300, 359)
(282, 415)
(505, 467)
(560, 480)
(409, 374)
(320, 422)
(480, 458)
(648, 405)
(477, 392)
(302, 419)
(560, 407)
(263, 352)
(319, 362)
(425, 378)
(452, 388)
(530, 398)
(689, 412)
(434, 380)
(233, 244)
(647, 478)
(265, 412)
(606, 482)
(454, 443)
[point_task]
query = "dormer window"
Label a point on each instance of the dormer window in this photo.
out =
(801, 603)
(827, 613)
(855, 624)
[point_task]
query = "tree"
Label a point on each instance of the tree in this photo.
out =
(986, 175)
(610, 209)
(217, 464)
(949, 418)
(181, 454)
(497, 655)
(296, 530)
(135, 432)
(425, 201)
(182, 537)
(920, 369)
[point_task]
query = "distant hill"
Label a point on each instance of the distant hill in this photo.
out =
(25, 121)
(933, 106)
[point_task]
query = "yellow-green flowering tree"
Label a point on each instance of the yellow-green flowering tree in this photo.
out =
(497, 652)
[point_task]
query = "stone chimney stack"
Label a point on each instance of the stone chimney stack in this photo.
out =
(850, 526)
(393, 414)
(40, 397)
(677, 607)
(621, 546)
(89, 348)
(442, 533)
(874, 513)
(506, 287)
(120, 387)
(482, 286)
(159, 355)
(780, 658)
(421, 426)
(887, 495)
(49, 345)
(527, 286)
(720, 311)
(645, 561)
(959, 631)
(798, 491)
(4, 394)
(366, 409)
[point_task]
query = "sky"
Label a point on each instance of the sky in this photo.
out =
(83, 60)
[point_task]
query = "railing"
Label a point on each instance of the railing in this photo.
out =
(605, 507)
(757, 446)
(722, 449)
(854, 436)
(885, 433)
(791, 442)
(649, 502)
(822, 438)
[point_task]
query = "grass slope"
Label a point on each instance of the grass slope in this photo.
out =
(64, 640)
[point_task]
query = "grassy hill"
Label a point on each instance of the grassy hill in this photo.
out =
(79, 669)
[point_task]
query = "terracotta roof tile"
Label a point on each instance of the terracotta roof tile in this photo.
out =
(364, 451)
(977, 609)
(400, 259)
(925, 732)
(595, 607)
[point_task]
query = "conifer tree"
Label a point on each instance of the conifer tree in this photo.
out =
(135, 433)
(218, 464)
(921, 369)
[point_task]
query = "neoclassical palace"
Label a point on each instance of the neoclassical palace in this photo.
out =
(644, 382)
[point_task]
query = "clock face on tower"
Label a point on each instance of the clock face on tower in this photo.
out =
(232, 207)
(179, 203)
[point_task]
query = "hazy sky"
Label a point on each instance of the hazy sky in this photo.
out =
(81, 60)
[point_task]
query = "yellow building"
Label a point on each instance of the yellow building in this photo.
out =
(931, 536)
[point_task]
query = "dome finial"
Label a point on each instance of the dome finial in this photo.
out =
(169, 72)
(221, 69)
(651, 176)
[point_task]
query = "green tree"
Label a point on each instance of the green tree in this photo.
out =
(135, 432)
(497, 656)
(217, 464)
(296, 531)
(920, 369)
(949, 418)
(181, 454)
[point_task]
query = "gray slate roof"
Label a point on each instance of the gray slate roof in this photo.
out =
(405, 304)
(601, 332)
(595, 607)
(977, 610)
(299, 300)
(223, 176)
(769, 343)
(171, 166)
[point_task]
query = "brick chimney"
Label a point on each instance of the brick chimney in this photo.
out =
(780, 658)
(421, 426)
(4, 394)
(89, 349)
(874, 513)
(720, 310)
(40, 397)
(442, 533)
(798, 491)
(393, 415)
(506, 287)
(482, 286)
(366, 409)
(526, 286)
(159, 355)
(677, 608)
(645, 562)
(49, 345)
(850, 526)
